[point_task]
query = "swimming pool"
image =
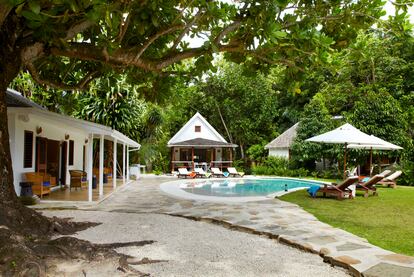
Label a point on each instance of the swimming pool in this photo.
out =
(243, 187)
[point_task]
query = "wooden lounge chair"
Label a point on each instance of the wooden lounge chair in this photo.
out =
(77, 179)
(216, 172)
(201, 173)
(234, 173)
(40, 182)
(370, 185)
(385, 173)
(390, 180)
(184, 173)
(339, 190)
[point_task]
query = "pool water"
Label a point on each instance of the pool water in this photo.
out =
(243, 187)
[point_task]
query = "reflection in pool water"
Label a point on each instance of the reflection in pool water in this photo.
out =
(243, 187)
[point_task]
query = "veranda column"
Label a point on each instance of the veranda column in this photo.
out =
(127, 164)
(172, 159)
(231, 156)
(123, 163)
(101, 164)
(192, 157)
(67, 163)
(89, 168)
(115, 164)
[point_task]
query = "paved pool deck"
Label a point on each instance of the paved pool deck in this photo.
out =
(276, 219)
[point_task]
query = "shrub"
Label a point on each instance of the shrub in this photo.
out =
(407, 177)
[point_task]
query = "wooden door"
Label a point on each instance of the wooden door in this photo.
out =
(41, 154)
(53, 158)
(63, 159)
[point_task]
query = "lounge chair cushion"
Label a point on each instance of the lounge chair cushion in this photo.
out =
(46, 184)
(313, 190)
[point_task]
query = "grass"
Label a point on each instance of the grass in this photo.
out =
(386, 221)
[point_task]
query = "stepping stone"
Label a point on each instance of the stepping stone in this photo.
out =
(349, 246)
(347, 260)
(397, 258)
(388, 270)
(322, 240)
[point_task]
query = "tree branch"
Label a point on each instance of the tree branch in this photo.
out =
(230, 28)
(127, 57)
(186, 29)
(4, 12)
(81, 85)
(155, 37)
(78, 28)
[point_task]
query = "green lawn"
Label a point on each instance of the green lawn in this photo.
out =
(386, 221)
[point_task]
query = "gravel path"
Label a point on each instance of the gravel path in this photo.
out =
(193, 248)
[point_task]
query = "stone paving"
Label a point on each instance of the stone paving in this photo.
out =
(286, 222)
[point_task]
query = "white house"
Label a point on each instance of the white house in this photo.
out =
(280, 146)
(44, 141)
(197, 143)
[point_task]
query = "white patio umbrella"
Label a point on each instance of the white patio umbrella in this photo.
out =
(385, 145)
(346, 134)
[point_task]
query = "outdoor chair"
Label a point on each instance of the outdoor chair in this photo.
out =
(390, 180)
(184, 173)
(385, 173)
(77, 179)
(339, 190)
(234, 173)
(40, 182)
(369, 185)
(216, 172)
(201, 173)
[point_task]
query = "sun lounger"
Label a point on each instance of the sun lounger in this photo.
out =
(184, 173)
(233, 172)
(339, 190)
(216, 172)
(201, 173)
(369, 185)
(385, 173)
(390, 180)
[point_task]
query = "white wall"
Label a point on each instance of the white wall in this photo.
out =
(51, 129)
(279, 152)
(189, 132)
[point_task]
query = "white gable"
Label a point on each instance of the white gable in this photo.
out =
(188, 131)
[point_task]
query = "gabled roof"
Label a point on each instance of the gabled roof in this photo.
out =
(15, 99)
(285, 140)
(197, 142)
(187, 132)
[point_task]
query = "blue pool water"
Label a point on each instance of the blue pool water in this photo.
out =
(243, 187)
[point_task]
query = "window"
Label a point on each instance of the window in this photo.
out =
(197, 129)
(28, 149)
(71, 149)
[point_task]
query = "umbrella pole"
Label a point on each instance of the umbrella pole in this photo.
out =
(370, 163)
(345, 162)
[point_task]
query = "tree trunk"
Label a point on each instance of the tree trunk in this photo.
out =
(10, 63)
(241, 151)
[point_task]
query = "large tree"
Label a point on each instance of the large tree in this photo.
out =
(65, 44)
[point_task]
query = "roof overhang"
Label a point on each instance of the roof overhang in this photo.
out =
(86, 126)
(202, 143)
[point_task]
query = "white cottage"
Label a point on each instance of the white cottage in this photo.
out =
(52, 144)
(198, 144)
(280, 146)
